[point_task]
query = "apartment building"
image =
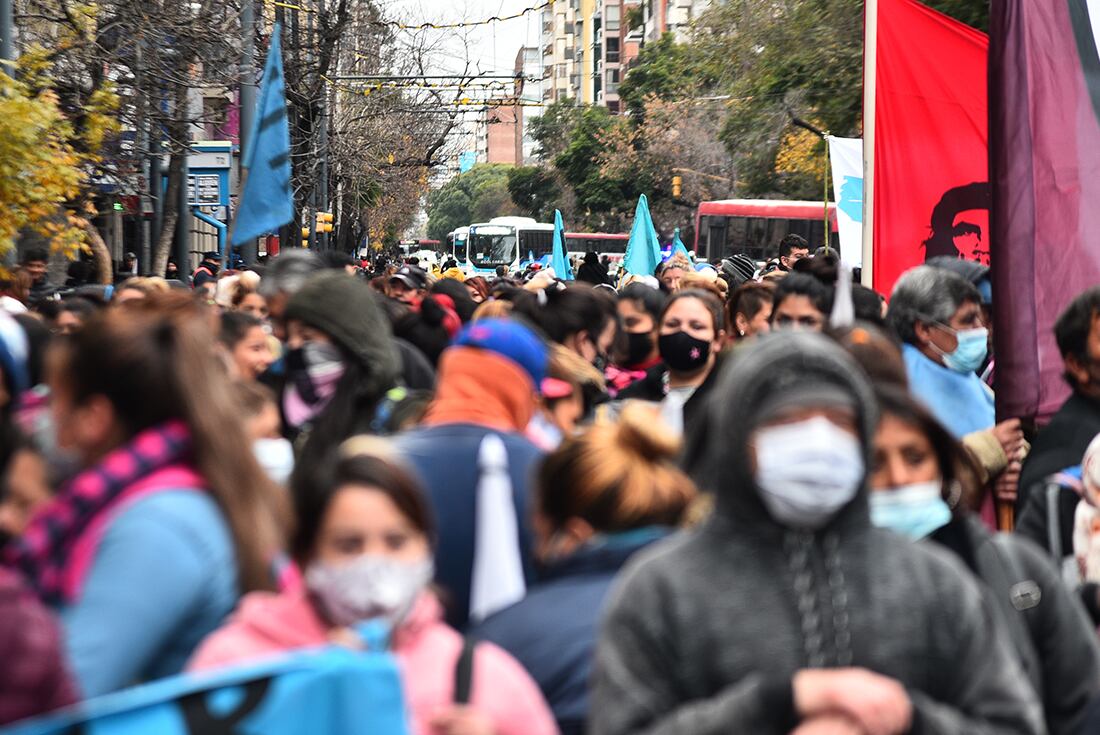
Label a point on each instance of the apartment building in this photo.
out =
(670, 16)
(587, 46)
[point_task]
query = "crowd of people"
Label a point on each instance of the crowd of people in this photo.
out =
(714, 498)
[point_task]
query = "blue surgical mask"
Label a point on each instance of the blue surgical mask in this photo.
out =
(970, 352)
(912, 510)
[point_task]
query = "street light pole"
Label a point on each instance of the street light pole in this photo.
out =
(7, 31)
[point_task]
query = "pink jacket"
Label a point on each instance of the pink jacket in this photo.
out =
(426, 648)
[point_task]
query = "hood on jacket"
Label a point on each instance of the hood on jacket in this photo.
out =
(346, 309)
(716, 451)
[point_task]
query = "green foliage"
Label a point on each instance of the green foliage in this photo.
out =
(551, 129)
(596, 191)
(668, 70)
(534, 191)
(475, 196)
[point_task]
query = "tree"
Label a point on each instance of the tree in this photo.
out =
(554, 126)
(535, 191)
(475, 196)
(39, 168)
(667, 70)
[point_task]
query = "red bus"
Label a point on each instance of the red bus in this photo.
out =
(613, 246)
(754, 227)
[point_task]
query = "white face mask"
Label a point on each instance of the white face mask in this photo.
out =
(276, 456)
(368, 587)
(807, 471)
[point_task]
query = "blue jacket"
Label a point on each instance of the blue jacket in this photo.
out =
(962, 403)
(445, 458)
(164, 577)
(553, 630)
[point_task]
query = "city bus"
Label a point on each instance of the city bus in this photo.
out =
(412, 247)
(456, 244)
(612, 246)
(754, 227)
(506, 241)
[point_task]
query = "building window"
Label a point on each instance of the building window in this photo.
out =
(611, 18)
(612, 50)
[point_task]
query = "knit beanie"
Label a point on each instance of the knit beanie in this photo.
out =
(345, 309)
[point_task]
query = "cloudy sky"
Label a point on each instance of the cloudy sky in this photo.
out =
(492, 47)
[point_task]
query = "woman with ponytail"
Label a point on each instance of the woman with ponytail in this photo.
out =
(600, 498)
(170, 519)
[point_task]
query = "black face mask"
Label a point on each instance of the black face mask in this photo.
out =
(682, 352)
(638, 347)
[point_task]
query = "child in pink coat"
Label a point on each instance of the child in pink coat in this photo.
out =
(363, 541)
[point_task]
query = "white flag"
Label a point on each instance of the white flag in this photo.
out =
(498, 569)
(846, 155)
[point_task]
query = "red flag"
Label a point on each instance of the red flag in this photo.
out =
(931, 191)
(1045, 155)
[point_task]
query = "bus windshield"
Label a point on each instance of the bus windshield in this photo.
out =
(492, 247)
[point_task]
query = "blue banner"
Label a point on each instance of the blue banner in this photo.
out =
(330, 690)
(267, 202)
(643, 251)
(560, 262)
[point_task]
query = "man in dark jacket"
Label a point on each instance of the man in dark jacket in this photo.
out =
(1061, 443)
(592, 271)
(787, 608)
(472, 443)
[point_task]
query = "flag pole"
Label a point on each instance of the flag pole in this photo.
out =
(870, 58)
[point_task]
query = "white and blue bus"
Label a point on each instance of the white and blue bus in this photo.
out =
(506, 241)
(456, 244)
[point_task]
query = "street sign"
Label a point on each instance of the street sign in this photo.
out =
(204, 190)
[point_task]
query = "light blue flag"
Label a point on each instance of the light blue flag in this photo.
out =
(267, 202)
(679, 247)
(559, 262)
(643, 252)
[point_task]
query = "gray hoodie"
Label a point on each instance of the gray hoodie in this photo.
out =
(704, 632)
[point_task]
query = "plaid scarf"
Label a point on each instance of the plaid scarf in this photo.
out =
(313, 372)
(43, 550)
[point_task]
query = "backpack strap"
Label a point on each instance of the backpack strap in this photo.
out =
(464, 671)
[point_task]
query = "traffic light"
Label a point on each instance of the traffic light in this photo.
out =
(677, 186)
(324, 222)
(305, 237)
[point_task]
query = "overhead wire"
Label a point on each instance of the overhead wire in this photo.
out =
(426, 26)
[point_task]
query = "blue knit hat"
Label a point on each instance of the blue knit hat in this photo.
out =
(508, 339)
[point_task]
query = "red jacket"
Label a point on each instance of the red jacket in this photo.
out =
(35, 679)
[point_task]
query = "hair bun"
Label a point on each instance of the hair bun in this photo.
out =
(641, 432)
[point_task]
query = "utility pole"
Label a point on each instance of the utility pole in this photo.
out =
(7, 33)
(248, 107)
(183, 226)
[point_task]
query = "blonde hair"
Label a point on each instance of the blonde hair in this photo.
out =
(715, 285)
(495, 309)
(148, 285)
(567, 365)
(617, 476)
